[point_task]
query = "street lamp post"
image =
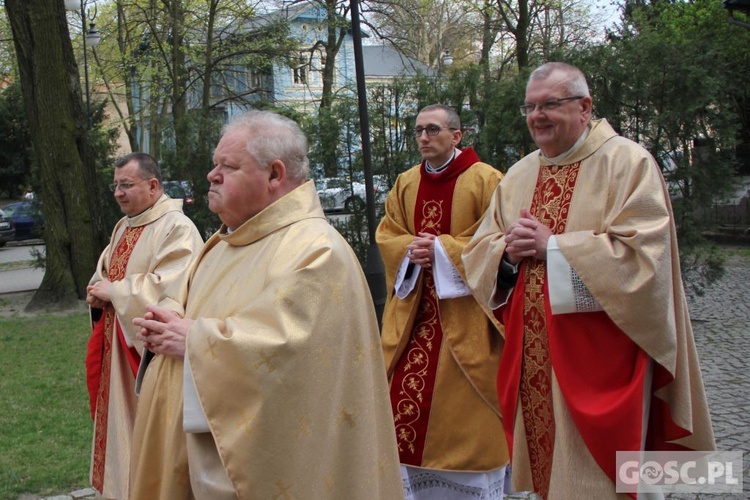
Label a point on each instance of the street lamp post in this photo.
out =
(447, 58)
(91, 37)
(374, 268)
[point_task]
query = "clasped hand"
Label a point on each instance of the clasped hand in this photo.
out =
(163, 331)
(421, 250)
(526, 237)
(97, 295)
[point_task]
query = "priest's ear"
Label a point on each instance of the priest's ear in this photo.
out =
(586, 108)
(456, 139)
(277, 176)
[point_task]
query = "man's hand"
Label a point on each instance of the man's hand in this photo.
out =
(421, 251)
(526, 237)
(163, 331)
(97, 295)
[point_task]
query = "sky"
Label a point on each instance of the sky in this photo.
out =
(606, 10)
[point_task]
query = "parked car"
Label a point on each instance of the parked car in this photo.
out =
(27, 219)
(7, 229)
(338, 194)
(180, 190)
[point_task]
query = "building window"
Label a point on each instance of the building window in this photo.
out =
(255, 79)
(299, 73)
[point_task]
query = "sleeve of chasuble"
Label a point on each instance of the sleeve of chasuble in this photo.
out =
(622, 247)
(473, 193)
(167, 268)
(481, 256)
(395, 230)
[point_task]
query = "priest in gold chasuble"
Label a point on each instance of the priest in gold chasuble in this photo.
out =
(441, 351)
(283, 392)
(577, 257)
(151, 249)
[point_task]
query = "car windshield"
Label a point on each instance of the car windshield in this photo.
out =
(14, 209)
(174, 190)
(177, 189)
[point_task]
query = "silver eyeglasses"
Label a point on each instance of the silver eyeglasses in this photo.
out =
(432, 130)
(124, 186)
(549, 105)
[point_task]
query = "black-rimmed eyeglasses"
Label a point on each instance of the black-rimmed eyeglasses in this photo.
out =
(549, 105)
(432, 130)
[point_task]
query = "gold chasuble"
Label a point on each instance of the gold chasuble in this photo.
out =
(147, 254)
(99, 357)
(574, 388)
(441, 355)
(286, 362)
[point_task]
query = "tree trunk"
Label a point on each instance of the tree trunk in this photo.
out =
(57, 121)
(182, 126)
(330, 137)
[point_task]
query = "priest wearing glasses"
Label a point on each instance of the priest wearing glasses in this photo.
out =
(441, 351)
(151, 249)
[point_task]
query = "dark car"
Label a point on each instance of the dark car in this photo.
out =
(180, 190)
(27, 218)
(7, 229)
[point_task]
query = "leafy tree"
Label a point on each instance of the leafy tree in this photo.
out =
(329, 45)
(423, 30)
(675, 104)
(52, 99)
(15, 143)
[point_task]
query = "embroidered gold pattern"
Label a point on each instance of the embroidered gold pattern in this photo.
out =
(329, 481)
(282, 490)
(550, 205)
(246, 422)
(211, 349)
(303, 427)
(324, 357)
(115, 272)
(282, 296)
(359, 353)
(421, 356)
(266, 360)
(347, 417)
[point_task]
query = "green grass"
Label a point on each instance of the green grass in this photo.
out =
(10, 266)
(45, 426)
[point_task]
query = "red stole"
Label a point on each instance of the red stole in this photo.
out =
(600, 370)
(413, 381)
(99, 355)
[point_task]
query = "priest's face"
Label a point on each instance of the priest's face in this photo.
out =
(437, 149)
(240, 188)
(556, 126)
(134, 191)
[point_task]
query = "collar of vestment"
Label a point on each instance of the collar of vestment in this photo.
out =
(163, 205)
(432, 170)
(299, 204)
(467, 158)
(599, 132)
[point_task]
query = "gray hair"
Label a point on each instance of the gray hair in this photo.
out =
(270, 137)
(147, 164)
(576, 84)
(451, 115)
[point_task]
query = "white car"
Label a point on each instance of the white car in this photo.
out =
(337, 194)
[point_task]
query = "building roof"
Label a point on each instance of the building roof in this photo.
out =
(382, 61)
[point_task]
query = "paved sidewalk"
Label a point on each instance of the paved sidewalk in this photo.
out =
(721, 322)
(20, 280)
